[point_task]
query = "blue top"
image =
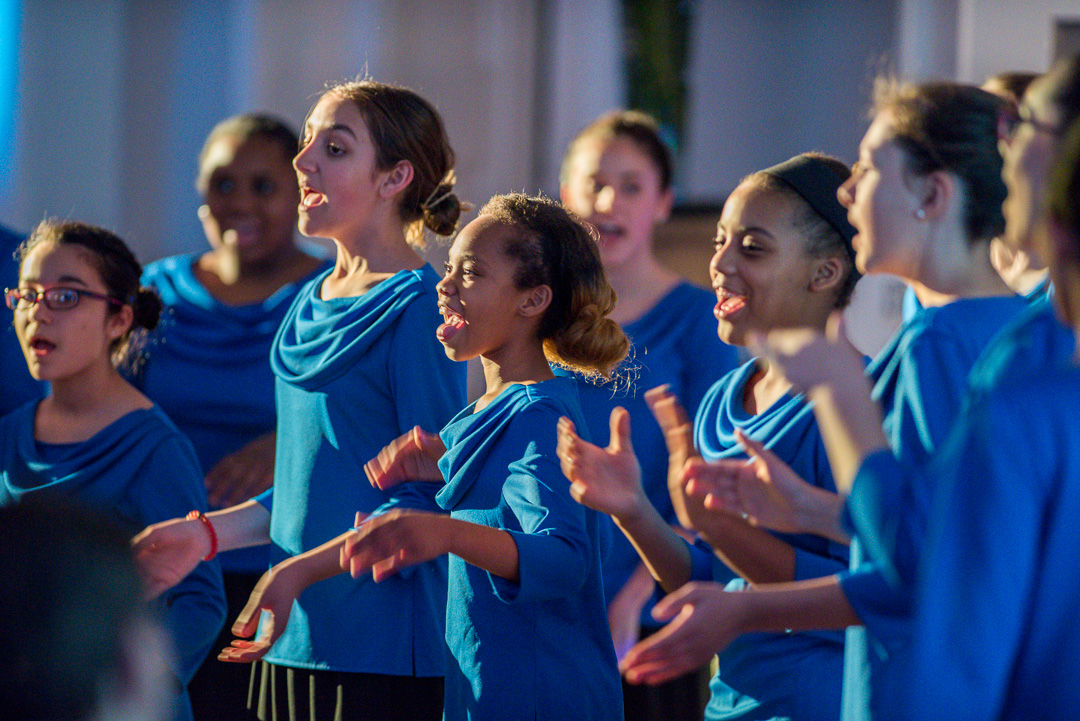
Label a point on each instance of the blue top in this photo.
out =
(890, 502)
(207, 365)
(996, 636)
(920, 379)
(17, 386)
(138, 470)
(772, 675)
(353, 374)
(675, 343)
(539, 648)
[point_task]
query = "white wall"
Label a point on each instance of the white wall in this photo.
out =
(1006, 35)
(115, 97)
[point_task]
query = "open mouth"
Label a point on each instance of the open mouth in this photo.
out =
(452, 323)
(41, 347)
(728, 303)
(243, 234)
(310, 198)
(609, 231)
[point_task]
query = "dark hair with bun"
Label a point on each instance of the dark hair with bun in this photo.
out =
(554, 248)
(404, 126)
(952, 127)
(114, 262)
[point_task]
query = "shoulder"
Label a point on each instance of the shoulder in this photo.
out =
(168, 268)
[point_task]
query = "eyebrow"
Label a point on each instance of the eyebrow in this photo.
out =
(747, 230)
(61, 279)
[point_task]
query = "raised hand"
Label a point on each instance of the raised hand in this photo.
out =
(766, 492)
(413, 456)
(243, 474)
(605, 479)
(808, 358)
(679, 437)
(387, 543)
(701, 624)
(167, 552)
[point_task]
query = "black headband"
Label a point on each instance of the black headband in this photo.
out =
(816, 183)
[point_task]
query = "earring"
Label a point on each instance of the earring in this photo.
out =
(920, 214)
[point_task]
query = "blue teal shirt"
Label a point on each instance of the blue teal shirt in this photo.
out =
(920, 379)
(353, 374)
(138, 470)
(890, 503)
(674, 343)
(772, 675)
(207, 365)
(995, 634)
(538, 648)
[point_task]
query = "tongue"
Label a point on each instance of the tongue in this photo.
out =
(732, 304)
(449, 330)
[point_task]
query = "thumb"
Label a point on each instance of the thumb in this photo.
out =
(620, 430)
(430, 443)
(248, 620)
(756, 450)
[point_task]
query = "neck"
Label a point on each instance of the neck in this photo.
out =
(951, 274)
(639, 283)
(507, 367)
(84, 393)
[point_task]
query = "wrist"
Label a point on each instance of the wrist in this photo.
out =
(210, 536)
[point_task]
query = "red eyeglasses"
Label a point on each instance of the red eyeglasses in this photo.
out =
(55, 298)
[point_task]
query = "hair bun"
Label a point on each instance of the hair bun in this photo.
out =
(146, 309)
(442, 210)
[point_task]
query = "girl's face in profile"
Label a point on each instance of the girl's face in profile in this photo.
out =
(61, 344)
(478, 298)
(615, 187)
(250, 190)
(882, 204)
(1028, 149)
(760, 269)
(339, 183)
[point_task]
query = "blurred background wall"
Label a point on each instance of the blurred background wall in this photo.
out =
(104, 104)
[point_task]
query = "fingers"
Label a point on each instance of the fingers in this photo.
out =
(619, 423)
(430, 443)
(836, 327)
(248, 620)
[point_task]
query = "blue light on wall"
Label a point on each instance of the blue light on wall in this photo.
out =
(9, 67)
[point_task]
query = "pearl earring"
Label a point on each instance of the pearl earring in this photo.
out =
(920, 214)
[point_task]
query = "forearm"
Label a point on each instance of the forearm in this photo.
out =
(319, 563)
(850, 423)
(243, 525)
(491, 549)
(664, 553)
(818, 604)
(819, 512)
(756, 555)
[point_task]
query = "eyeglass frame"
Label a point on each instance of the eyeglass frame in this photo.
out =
(1010, 120)
(41, 296)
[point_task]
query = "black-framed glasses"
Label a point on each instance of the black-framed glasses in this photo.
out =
(1010, 121)
(56, 298)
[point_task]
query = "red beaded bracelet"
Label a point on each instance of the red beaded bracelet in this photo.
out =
(209, 527)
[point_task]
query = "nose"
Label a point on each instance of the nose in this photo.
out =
(605, 200)
(723, 261)
(38, 311)
(445, 286)
(845, 194)
(303, 160)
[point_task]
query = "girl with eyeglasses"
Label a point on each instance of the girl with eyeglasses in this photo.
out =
(95, 439)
